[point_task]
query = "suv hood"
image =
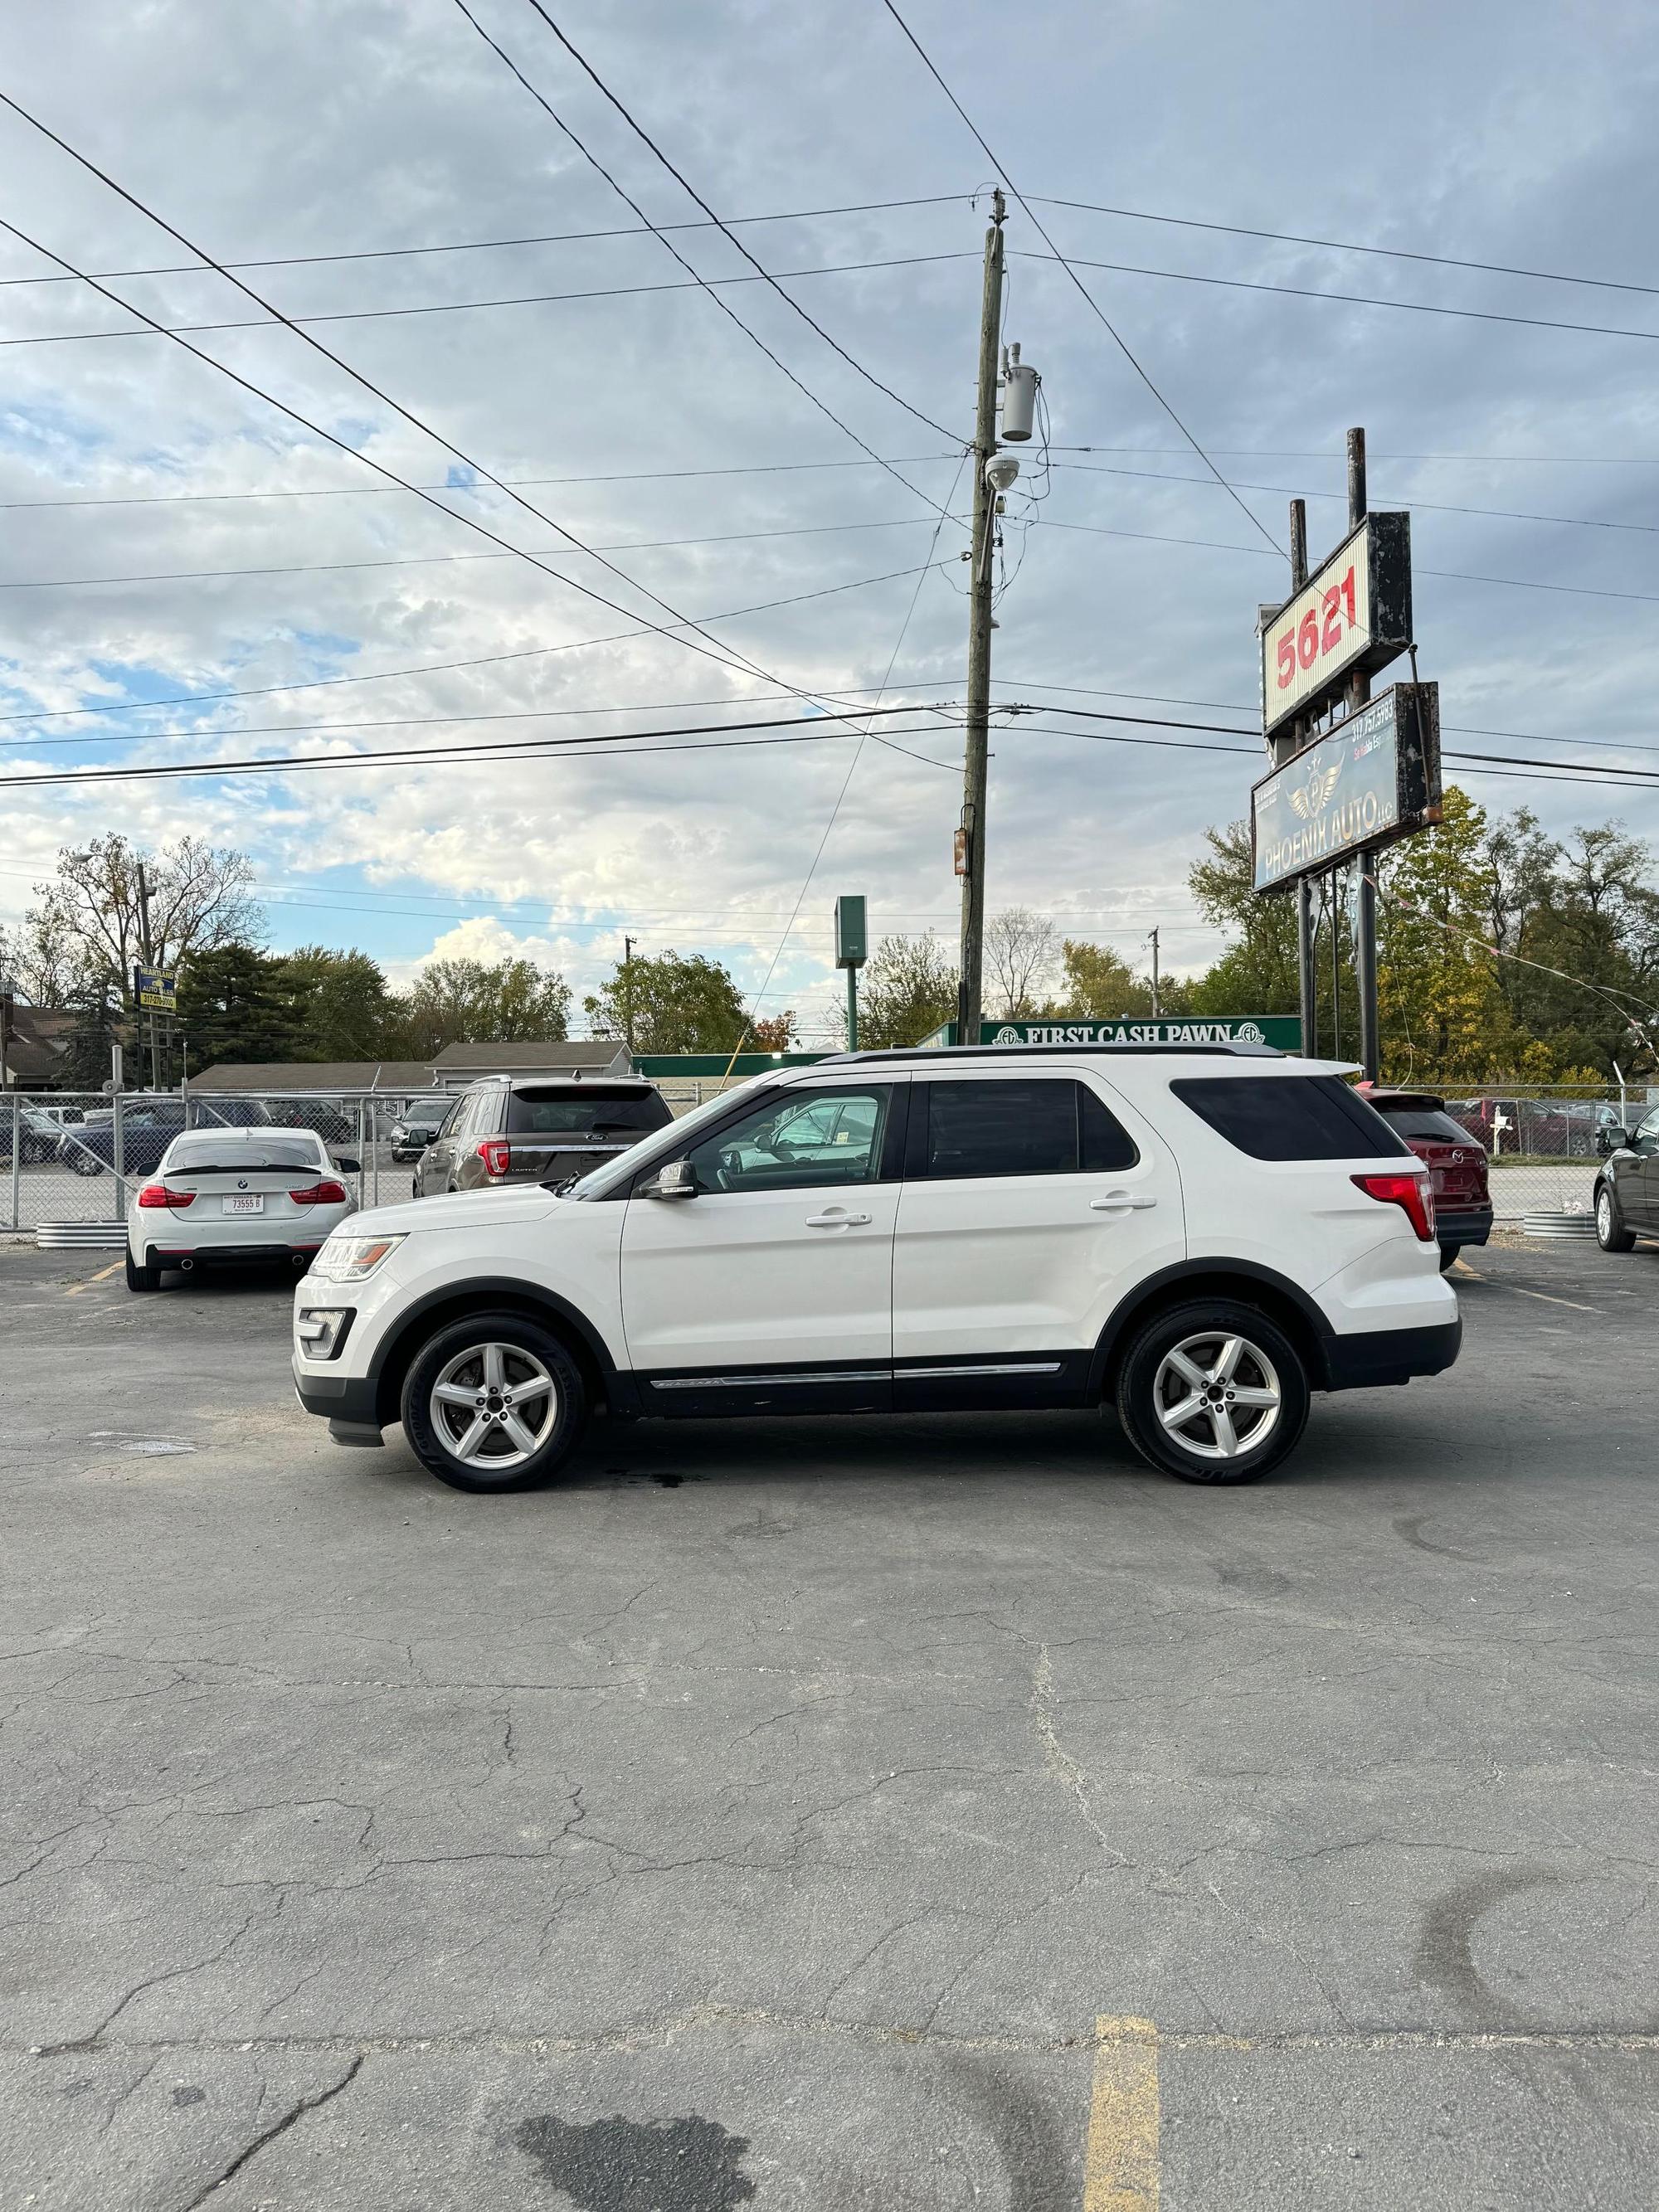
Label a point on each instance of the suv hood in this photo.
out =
(458, 1209)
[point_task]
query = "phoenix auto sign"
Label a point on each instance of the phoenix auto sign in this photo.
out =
(1374, 778)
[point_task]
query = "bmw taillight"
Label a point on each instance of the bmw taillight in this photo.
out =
(321, 1194)
(157, 1194)
(496, 1154)
(1409, 1192)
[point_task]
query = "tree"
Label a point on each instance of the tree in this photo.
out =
(1257, 974)
(908, 989)
(776, 1034)
(1101, 983)
(339, 1004)
(677, 1004)
(1439, 1006)
(39, 964)
(233, 1006)
(469, 1001)
(86, 1056)
(87, 922)
(1020, 959)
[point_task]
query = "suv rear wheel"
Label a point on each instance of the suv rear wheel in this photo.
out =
(495, 1403)
(1213, 1392)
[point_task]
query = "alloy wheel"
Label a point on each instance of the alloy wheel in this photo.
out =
(1217, 1395)
(494, 1405)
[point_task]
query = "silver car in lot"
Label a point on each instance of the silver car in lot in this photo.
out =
(236, 1196)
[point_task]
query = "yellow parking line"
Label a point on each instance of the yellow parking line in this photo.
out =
(1121, 2158)
(102, 1276)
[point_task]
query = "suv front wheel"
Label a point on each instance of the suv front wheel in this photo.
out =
(495, 1403)
(1213, 1392)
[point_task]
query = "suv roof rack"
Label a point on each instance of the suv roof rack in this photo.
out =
(1236, 1048)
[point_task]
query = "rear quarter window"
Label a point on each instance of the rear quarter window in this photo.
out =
(1291, 1117)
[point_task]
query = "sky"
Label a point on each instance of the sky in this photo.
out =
(684, 453)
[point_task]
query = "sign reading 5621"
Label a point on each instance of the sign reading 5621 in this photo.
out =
(1355, 613)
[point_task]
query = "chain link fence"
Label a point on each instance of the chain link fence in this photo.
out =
(69, 1157)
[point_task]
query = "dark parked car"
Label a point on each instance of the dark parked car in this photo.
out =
(538, 1129)
(1456, 1165)
(149, 1126)
(1627, 1185)
(412, 1131)
(332, 1123)
(37, 1135)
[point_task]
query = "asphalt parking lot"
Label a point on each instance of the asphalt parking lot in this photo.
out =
(909, 1813)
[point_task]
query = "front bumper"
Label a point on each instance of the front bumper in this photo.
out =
(349, 1398)
(1370, 1359)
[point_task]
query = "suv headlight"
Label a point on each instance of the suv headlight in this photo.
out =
(348, 1259)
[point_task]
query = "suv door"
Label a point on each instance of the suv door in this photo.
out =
(1032, 1203)
(432, 1169)
(771, 1289)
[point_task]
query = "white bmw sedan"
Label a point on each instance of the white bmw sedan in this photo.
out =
(234, 1196)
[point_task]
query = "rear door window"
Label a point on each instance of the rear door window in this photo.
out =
(1291, 1117)
(591, 1111)
(1049, 1125)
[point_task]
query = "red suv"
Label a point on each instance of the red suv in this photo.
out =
(1456, 1164)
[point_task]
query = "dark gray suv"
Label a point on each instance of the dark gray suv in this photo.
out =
(537, 1128)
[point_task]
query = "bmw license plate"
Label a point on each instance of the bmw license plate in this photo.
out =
(251, 1201)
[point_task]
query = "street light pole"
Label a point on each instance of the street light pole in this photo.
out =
(976, 766)
(1360, 691)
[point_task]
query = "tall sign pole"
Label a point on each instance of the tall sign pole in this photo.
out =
(972, 839)
(1359, 692)
(1306, 972)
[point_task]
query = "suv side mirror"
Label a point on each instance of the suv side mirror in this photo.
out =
(676, 1180)
(1609, 1139)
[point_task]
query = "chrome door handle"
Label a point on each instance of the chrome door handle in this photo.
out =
(1122, 1201)
(838, 1220)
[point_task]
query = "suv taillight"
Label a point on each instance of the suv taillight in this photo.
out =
(496, 1154)
(1410, 1192)
(321, 1194)
(157, 1194)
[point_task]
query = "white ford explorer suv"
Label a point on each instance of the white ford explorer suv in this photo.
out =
(1200, 1236)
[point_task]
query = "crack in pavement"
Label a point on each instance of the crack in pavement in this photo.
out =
(294, 2113)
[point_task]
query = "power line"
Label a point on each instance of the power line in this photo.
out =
(491, 245)
(724, 306)
(1355, 299)
(378, 491)
(1095, 309)
(711, 649)
(1423, 505)
(695, 283)
(447, 667)
(444, 560)
(1347, 245)
(691, 192)
(493, 748)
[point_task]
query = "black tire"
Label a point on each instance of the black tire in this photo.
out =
(1448, 1253)
(1193, 1449)
(142, 1278)
(1611, 1233)
(458, 1352)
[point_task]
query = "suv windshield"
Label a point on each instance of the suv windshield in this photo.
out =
(592, 1111)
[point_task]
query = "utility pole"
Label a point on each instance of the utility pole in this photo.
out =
(627, 993)
(1359, 692)
(970, 987)
(1155, 1005)
(144, 943)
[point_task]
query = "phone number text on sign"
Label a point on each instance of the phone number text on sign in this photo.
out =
(1354, 613)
